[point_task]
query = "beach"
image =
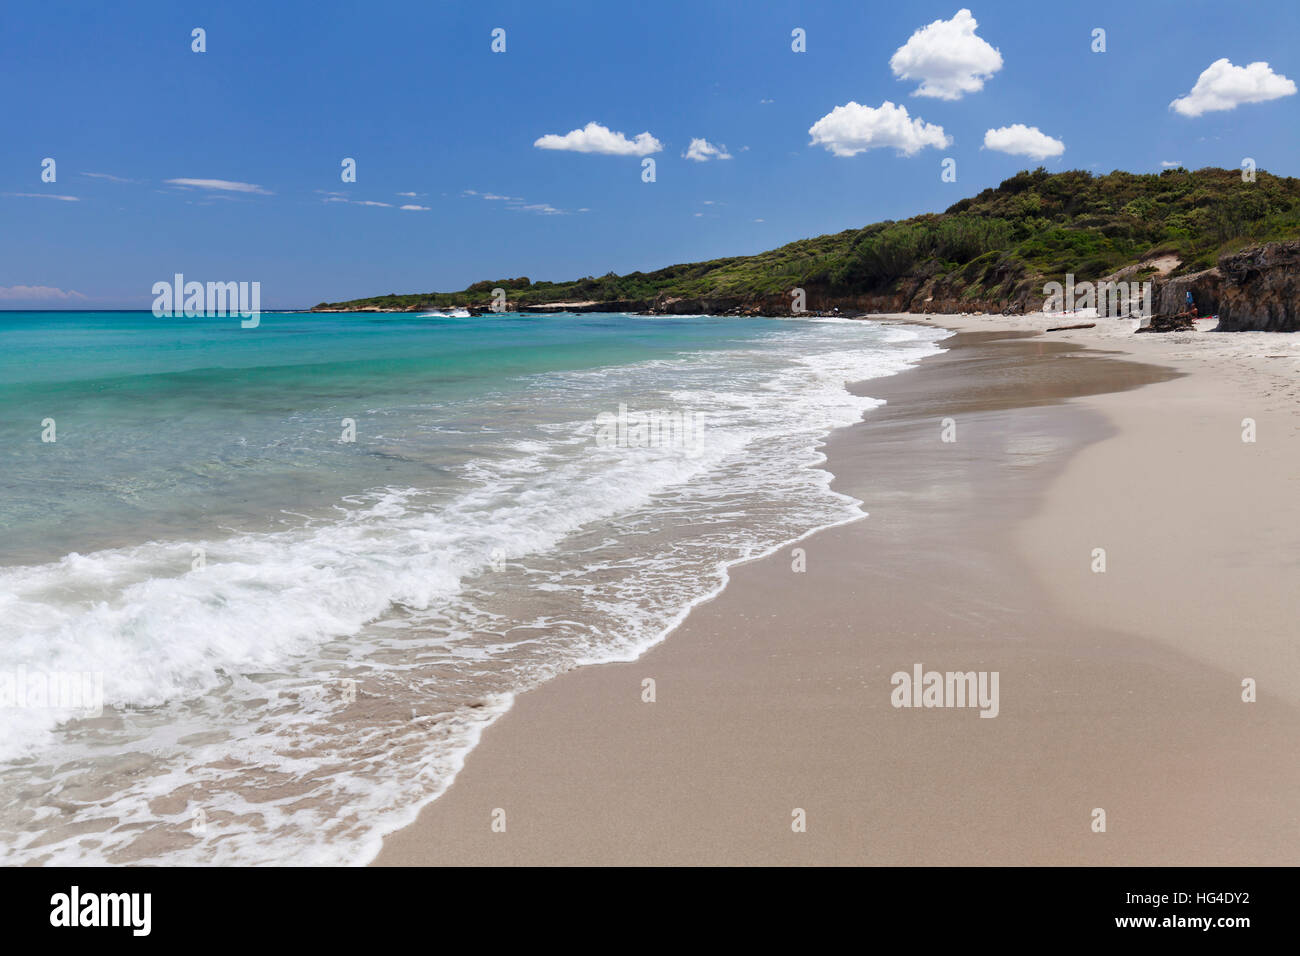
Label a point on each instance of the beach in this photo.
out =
(773, 738)
(789, 438)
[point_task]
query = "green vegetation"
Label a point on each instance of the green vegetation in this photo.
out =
(996, 246)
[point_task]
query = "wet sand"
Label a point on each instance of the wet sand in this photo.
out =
(1115, 692)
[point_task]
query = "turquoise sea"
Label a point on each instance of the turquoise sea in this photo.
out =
(308, 563)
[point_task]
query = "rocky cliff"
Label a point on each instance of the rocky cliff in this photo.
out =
(1260, 288)
(1256, 289)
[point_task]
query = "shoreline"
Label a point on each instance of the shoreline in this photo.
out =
(774, 694)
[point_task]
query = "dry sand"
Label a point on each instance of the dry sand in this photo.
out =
(1118, 690)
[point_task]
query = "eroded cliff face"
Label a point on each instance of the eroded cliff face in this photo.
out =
(1254, 290)
(1206, 287)
(1261, 288)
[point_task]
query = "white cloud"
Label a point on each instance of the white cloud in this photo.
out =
(1170, 164)
(1021, 140)
(408, 195)
(36, 293)
(222, 184)
(594, 138)
(337, 197)
(850, 129)
(414, 208)
(760, 220)
(107, 176)
(46, 196)
(1223, 86)
(519, 204)
(947, 57)
(492, 196)
(701, 150)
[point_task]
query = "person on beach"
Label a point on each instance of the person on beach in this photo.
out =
(1191, 303)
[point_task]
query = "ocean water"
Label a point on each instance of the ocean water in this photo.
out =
(299, 637)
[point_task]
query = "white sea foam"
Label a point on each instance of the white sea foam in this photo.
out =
(552, 553)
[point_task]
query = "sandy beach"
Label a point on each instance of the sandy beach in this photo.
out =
(1119, 690)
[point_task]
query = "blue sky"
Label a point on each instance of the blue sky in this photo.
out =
(413, 92)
